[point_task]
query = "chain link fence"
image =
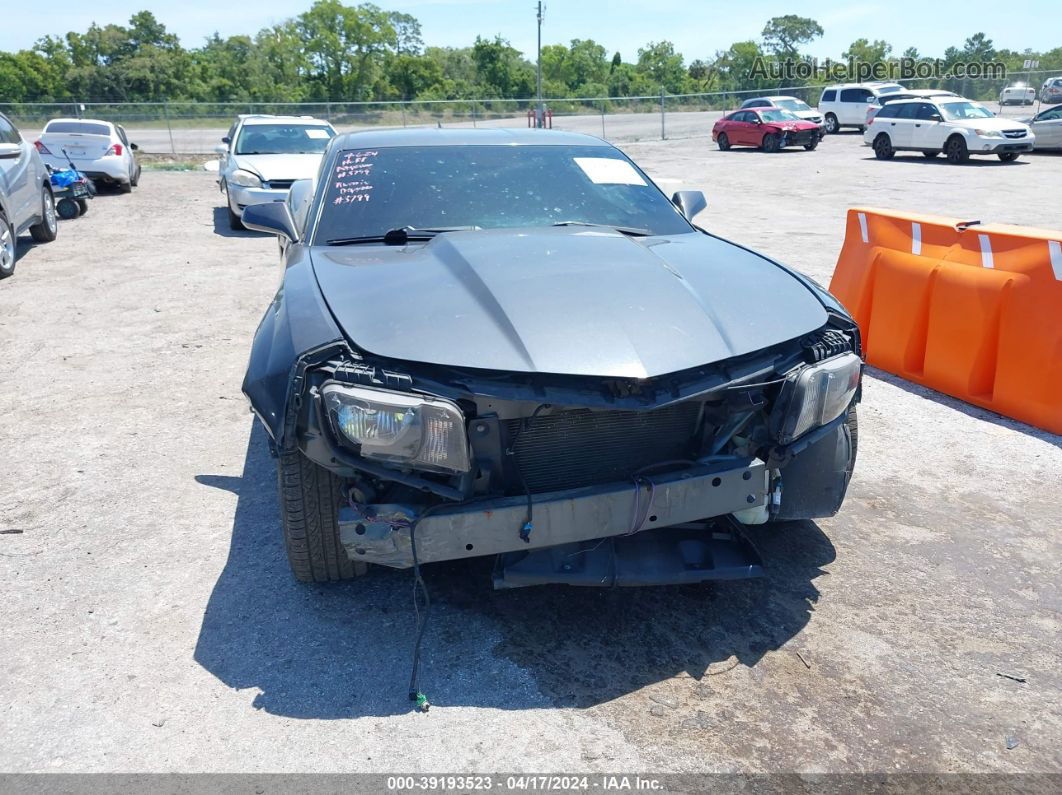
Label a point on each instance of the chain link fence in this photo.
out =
(196, 128)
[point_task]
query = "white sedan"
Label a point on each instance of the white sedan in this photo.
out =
(263, 155)
(1017, 94)
(99, 149)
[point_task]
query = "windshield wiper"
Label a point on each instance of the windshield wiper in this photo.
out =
(399, 237)
(633, 231)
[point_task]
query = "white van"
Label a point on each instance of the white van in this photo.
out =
(846, 105)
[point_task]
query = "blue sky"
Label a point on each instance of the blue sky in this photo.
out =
(697, 27)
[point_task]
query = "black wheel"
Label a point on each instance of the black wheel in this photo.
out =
(68, 209)
(1007, 157)
(883, 148)
(853, 429)
(125, 187)
(832, 126)
(48, 228)
(930, 155)
(83, 205)
(956, 150)
(771, 143)
(811, 146)
(135, 179)
(310, 496)
(235, 223)
(723, 141)
(7, 247)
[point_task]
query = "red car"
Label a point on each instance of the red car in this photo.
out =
(770, 129)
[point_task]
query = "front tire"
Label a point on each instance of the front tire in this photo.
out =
(771, 143)
(956, 150)
(883, 149)
(8, 244)
(930, 155)
(48, 228)
(1007, 157)
(310, 496)
(832, 127)
(811, 147)
(724, 142)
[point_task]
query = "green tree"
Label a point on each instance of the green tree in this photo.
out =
(784, 35)
(662, 66)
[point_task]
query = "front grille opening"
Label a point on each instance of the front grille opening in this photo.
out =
(571, 449)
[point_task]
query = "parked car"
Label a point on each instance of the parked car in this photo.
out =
(770, 129)
(98, 149)
(1047, 127)
(1051, 92)
(511, 342)
(797, 107)
(1017, 94)
(958, 127)
(846, 105)
(261, 156)
(26, 201)
(908, 93)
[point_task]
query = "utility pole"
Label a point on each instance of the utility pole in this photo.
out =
(540, 114)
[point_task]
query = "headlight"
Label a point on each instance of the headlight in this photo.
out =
(816, 395)
(420, 432)
(245, 179)
(988, 133)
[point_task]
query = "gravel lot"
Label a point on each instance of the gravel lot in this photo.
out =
(150, 624)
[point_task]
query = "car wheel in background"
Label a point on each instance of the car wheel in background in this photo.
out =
(310, 496)
(135, 179)
(68, 209)
(810, 147)
(7, 247)
(771, 143)
(46, 230)
(125, 187)
(883, 149)
(956, 150)
(831, 124)
(930, 155)
(723, 141)
(1007, 157)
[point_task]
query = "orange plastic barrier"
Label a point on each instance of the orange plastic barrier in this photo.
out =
(971, 310)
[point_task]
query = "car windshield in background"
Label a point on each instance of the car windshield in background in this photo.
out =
(792, 104)
(81, 127)
(778, 115)
(957, 111)
(283, 139)
(889, 89)
(373, 191)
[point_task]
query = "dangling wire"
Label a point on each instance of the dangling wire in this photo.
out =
(528, 525)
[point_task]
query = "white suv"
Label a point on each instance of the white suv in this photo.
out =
(957, 127)
(846, 105)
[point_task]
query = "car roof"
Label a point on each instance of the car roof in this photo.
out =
(465, 137)
(267, 119)
(86, 121)
(871, 85)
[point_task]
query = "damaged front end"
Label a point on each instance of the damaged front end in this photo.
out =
(577, 479)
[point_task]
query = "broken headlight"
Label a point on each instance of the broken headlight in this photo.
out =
(815, 395)
(419, 432)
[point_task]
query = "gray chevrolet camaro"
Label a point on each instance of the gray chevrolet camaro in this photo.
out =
(511, 343)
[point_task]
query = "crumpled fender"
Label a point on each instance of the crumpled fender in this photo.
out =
(296, 323)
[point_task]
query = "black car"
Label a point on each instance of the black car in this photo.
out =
(511, 343)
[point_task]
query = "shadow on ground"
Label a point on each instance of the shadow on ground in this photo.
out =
(343, 650)
(221, 226)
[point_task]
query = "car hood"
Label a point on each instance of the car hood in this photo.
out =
(563, 300)
(807, 114)
(270, 167)
(791, 125)
(993, 123)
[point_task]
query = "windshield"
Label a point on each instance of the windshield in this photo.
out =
(373, 191)
(792, 104)
(957, 111)
(77, 127)
(283, 139)
(778, 115)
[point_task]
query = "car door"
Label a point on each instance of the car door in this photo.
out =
(927, 131)
(744, 128)
(17, 176)
(899, 123)
(1047, 127)
(853, 106)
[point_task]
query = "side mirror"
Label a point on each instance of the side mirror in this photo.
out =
(935, 117)
(225, 140)
(9, 151)
(272, 217)
(871, 99)
(220, 149)
(133, 146)
(689, 202)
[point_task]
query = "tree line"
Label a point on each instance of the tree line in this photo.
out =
(338, 52)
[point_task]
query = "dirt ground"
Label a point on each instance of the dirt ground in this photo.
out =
(150, 624)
